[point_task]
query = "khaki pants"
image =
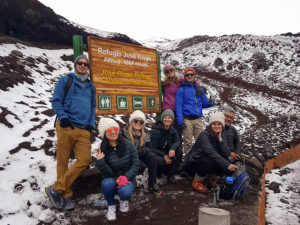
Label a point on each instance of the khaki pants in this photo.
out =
(68, 139)
(193, 129)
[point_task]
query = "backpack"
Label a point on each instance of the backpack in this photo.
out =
(69, 84)
(239, 186)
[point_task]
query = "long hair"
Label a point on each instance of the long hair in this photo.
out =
(210, 131)
(106, 148)
(142, 137)
(171, 80)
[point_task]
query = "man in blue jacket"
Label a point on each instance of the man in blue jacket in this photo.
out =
(76, 118)
(190, 100)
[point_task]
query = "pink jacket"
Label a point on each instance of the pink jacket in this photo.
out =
(169, 94)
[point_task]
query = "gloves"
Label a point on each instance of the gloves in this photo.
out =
(64, 123)
(121, 181)
(182, 126)
(89, 128)
(199, 90)
(211, 101)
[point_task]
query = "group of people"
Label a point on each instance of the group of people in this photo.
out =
(125, 153)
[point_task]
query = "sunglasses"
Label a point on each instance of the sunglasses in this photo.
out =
(189, 75)
(229, 116)
(110, 130)
(82, 63)
(139, 121)
(169, 71)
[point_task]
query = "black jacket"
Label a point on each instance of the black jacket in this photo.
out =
(162, 141)
(232, 139)
(209, 146)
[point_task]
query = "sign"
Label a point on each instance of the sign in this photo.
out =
(126, 77)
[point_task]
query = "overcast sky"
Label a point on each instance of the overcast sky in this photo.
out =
(172, 19)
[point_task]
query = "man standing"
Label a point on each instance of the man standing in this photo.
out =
(190, 99)
(231, 136)
(76, 118)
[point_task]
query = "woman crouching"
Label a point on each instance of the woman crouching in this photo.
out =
(208, 157)
(118, 163)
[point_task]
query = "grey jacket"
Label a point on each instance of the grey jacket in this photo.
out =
(232, 139)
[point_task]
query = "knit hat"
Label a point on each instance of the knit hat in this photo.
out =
(137, 114)
(80, 57)
(189, 69)
(168, 67)
(106, 123)
(219, 117)
(167, 112)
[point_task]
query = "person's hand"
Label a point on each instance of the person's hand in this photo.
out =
(64, 123)
(89, 128)
(172, 154)
(99, 154)
(182, 126)
(234, 156)
(220, 137)
(167, 159)
(121, 181)
(232, 167)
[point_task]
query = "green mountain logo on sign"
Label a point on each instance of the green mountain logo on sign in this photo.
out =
(137, 102)
(122, 102)
(104, 102)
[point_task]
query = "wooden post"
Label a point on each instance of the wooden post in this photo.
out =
(78, 46)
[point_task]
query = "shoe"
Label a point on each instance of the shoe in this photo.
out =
(69, 204)
(55, 197)
(198, 186)
(155, 190)
(111, 213)
(124, 206)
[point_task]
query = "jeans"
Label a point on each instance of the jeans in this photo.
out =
(109, 189)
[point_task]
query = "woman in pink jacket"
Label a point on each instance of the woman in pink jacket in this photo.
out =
(170, 85)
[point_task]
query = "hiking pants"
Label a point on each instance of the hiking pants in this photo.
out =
(193, 129)
(109, 190)
(67, 139)
(154, 163)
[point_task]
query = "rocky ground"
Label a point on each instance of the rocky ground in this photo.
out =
(265, 132)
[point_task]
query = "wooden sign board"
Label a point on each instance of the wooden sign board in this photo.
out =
(126, 77)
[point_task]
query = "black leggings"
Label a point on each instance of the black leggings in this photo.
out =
(203, 166)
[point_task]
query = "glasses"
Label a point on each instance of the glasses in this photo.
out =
(169, 71)
(139, 121)
(82, 63)
(229, 116)
(189, 75)
(110, 130)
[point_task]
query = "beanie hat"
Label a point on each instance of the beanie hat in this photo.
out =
(106, 123)
(80, 57)
(189, 69)
(137, 114)
(218, 116)
(168, 67)
(167, 112)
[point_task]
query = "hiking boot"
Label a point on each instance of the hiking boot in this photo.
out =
(55, 197)
(111, 213)
(198, 186)
(124, 206)
(69, 204)
(155, 190)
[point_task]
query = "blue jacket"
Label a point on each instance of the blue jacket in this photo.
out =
(189, 102)
(80, 102)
